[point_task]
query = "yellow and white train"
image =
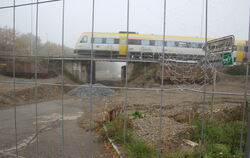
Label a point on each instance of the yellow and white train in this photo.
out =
(144, 45)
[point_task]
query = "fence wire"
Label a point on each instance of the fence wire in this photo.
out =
(125, 88)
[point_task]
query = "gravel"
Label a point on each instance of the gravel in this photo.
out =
(97, 92)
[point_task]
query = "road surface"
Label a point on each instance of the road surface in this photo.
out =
(77, 141)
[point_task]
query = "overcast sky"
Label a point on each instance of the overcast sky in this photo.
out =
(184, 18)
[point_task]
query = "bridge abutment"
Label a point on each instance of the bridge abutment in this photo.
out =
(81, 70)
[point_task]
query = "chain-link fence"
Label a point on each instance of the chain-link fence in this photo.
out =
(117, 94)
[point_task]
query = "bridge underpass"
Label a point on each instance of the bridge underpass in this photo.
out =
(80, 66)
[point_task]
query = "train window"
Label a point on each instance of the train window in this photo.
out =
(176, 44)
(241, 48)
(152, 42)
(182, 44)
(98, 40)
(158, 43)
(84, 39)
(145, 42)
(134, 42)
(116, 41)
(122, 41)
(195, 45)
(110, 40)
(188, 44)
(104, 40)
(170, 44)
(200, 45)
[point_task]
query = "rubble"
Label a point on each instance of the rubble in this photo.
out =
(97, 91)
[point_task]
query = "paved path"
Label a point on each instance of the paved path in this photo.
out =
(76, 140)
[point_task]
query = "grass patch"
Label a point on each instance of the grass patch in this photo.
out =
(222, 138)
(135, 148)
(186, 154)
(137, 114)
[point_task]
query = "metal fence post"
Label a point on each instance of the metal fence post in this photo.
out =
(247, 153)
(213, 89)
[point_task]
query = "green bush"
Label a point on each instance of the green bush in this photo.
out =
(222, 138)
(139, 149)
(135, 148)
(187, 154)
(137, 114)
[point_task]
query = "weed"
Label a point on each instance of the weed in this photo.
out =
(135, 148)
(222, 138)
(186, 154)
(137, 114)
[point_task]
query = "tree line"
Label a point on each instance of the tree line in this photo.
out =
(25, 44)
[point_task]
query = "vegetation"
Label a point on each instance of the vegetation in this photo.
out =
(187, 154)
(137, 114)
(56, 67)
(135, 148)
(25, 44)
(139, 70)
(222, 138)
(72, 77)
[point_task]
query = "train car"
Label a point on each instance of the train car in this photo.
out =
(139, 45)
(114, 45)
(26, 68)
(240, 52)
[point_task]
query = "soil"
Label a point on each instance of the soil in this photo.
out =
(179, 107)
(25, 93)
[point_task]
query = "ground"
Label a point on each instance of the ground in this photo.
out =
(78, 141)
(178, 107)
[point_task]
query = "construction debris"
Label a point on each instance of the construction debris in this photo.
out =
(96, 91)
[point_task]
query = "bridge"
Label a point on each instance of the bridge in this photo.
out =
(80, 66)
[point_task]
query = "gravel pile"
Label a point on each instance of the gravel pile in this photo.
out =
(97, 92)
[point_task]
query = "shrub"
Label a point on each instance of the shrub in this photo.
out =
(137, 114)
(135, 148)
(222, 138)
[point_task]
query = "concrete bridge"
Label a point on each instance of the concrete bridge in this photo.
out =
(80, 66)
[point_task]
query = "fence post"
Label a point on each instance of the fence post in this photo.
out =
(213, 90)
(247, 152)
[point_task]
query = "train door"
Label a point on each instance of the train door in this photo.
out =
(240, 53)
(122, 45)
